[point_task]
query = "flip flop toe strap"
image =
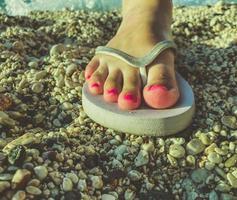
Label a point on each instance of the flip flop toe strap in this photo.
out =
(140, 62)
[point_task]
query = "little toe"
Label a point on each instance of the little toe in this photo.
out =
(91, 67)
(130, 97)
(112, 85)
(97, 79)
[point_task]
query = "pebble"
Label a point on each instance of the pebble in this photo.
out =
(71, 69)
(67, 184)
(74, 178)
(19, 195)
(6, 177)
(4, 185)
(200, 175)
(67, 106)
(33, 190)
(149, 147)
(214, 157)
(205, 139)
(232, 180)
(40, 75)
(195, 146)
(134, 175)
(97, 182)
(177, 151)
(41, 172)
(223, 187)
(229, 121)
(230, 162)
(121, 150)
(57, 49)
(129, 194)
(82, 186)
(20, 178)
(191, 160)
(227, 197)
(213, 195)
(142, 158)
(107, 197)
(37, 87)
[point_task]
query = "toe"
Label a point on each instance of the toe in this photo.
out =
(112, 86)
(130, 97)
(161, 90)
(97, 79)
(91, 67)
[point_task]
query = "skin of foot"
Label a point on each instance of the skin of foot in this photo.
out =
(144, 24)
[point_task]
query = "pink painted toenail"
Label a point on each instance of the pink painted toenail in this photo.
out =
(95, 85)
(130, 97)
(155, 87)
(113, 91)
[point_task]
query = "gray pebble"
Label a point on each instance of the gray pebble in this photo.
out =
(67, 184)
(195, 146)
(33, 190)
(142, 158)
(41, 172)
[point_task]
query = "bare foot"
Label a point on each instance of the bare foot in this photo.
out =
(142, 27)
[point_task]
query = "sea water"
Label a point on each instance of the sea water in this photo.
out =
(22, 7)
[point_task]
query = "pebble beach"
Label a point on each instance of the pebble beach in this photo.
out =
(49, 147)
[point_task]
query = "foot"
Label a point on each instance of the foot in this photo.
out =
(119, 82)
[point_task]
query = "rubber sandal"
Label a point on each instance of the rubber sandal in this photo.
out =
(144, 120)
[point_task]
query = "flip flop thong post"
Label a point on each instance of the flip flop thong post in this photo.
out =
(145, 120)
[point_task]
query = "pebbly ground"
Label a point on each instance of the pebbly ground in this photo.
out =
(50, 149)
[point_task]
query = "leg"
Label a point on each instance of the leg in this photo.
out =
(144, 24)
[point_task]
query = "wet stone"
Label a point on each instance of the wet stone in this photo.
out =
(6, 177)
(142, 158)
(19, 195)
(229, 121)
(177, 151)
(230, 162)
(33, 190)
(232, 180)
(200, 175)
(214, 157)
(195, 146)
(41, 172)
(4, 185)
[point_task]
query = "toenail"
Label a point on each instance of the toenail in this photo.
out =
(112, 91)
(95, 85)
(130, 97)
(155, 87)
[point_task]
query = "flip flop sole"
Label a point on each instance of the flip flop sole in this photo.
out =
(145, 120)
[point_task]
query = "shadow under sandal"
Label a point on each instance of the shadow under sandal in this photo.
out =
(145, 120)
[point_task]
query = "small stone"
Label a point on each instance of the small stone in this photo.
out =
(17, 155)
(4, 185)
(191, 160)
(33, 190)
(232, 180)
(177, 151)
(230, 162)
(50, 155)
(214, 157)
(227, 197)
(3, 159)
(67, 184)
(20, 178)
(229, 121)
(41, 172)
(74, 178)
(97, 182)
(205, 139)
(200, 175)
(57, 49)
(6, 177)
(142, 158)
(195, 146)
(5, 102)
(71, 69)
(40, 75)
(172, 160)
(129, 194)
(149, 147)
(120, 150)
(223, 187)
(19, 195)
(134, 175)
(213, 195)
(107, 197)
(37, 87)
(34, 182)
(82, 186)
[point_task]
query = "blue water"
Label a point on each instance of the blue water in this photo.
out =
(22, 7)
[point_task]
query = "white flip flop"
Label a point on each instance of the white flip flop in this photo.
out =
(144, 120)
